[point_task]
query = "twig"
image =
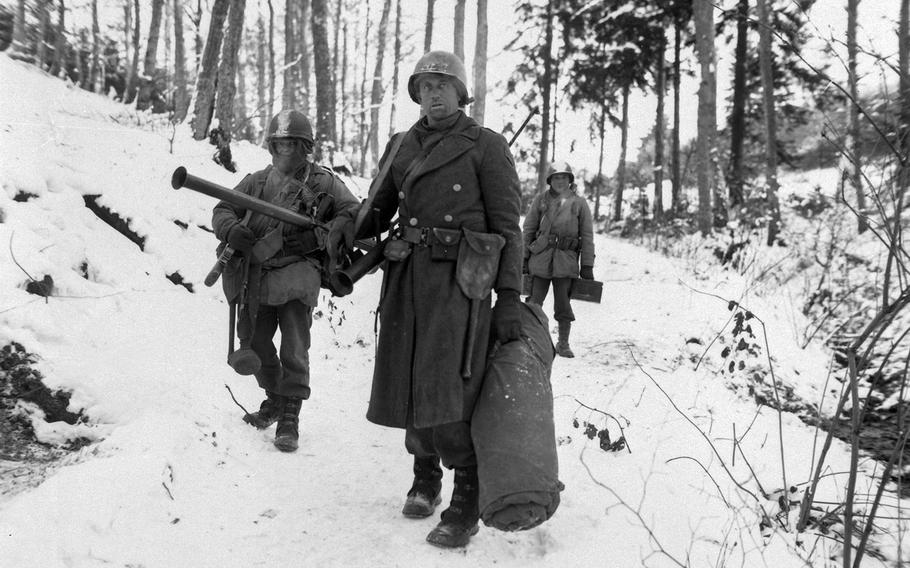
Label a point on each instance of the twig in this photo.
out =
(719, 491)
(245, 411)
(618, 424)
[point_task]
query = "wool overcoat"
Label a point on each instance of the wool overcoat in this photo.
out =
(550, 216)
(466, 181)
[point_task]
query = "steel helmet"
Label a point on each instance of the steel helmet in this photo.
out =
(444, 63)
(561, 167)
(290, 124)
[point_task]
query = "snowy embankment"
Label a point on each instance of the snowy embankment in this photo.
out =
(175, 478)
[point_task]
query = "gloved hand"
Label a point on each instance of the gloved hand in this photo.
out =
(587, 273)
(299, 242)
(507, 316)
(241, 238)
(524, 267)
(341, 234)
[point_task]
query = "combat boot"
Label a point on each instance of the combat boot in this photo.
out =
(562, 344)
(286, 434)
(269, 411)
(424, 494)
(459, 521)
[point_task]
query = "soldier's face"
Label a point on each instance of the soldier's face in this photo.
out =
(438, 96)
(560, 182)
(287, 154)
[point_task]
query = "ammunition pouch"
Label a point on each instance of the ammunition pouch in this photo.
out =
(478, 263)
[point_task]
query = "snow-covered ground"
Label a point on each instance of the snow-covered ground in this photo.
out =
(175, 478)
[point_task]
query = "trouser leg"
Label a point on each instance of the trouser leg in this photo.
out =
(294, 319)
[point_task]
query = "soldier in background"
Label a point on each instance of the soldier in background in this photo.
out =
(275, 278)
(455, 190)
(558, 232)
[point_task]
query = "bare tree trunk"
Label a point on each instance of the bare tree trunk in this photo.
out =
(18, 49)
(602, 131)
(395, 67)
(855, 143)
(241, 125)
(337, 88)
(623, 149)
(325, 86)
(546, 84)
(97, 73)
(44, 24)
(270, 107)
(661, 75)
(738, 111)
(342, 135)
(181, 91)
(376, 94)
(767, 79)
(304, 73)
(428, 27)
(151, 50)
(262, 62)
(364, 138)
(133, 81)
(478, 108)
(198, 44)
(291, 54)
(903, 42)
(677, 178)
(459, 29)
(207, 80)
(227, 69)
(703, 12)
(58, 67)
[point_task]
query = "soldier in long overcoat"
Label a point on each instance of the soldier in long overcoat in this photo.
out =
(558, 234)
(454, 188)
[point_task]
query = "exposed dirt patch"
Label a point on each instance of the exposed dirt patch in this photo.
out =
(24, 461)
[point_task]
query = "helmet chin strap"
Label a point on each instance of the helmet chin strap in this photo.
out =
(287, 164)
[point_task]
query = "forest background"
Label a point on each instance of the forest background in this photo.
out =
(701, 104)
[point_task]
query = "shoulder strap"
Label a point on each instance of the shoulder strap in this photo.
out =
(377, 182)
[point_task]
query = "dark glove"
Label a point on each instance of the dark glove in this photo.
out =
(524, 267)
(587, 273)
(507, 316)
(341, 234)
(241, 238)
(300, 242)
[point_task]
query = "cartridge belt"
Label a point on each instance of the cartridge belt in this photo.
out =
(429, 236)
(563, 242)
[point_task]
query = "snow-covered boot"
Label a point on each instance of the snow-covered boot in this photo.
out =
(562, 344)
(269, 411)
(459, 521)
(424, 494)
(286, 433)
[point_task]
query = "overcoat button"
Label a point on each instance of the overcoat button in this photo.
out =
(413, 221)
(400, 195)
(447, 218)
(457, 187)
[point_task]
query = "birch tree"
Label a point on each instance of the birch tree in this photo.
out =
(396, 65)
(133, 81)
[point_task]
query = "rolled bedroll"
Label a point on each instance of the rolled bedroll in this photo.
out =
(513, 431)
